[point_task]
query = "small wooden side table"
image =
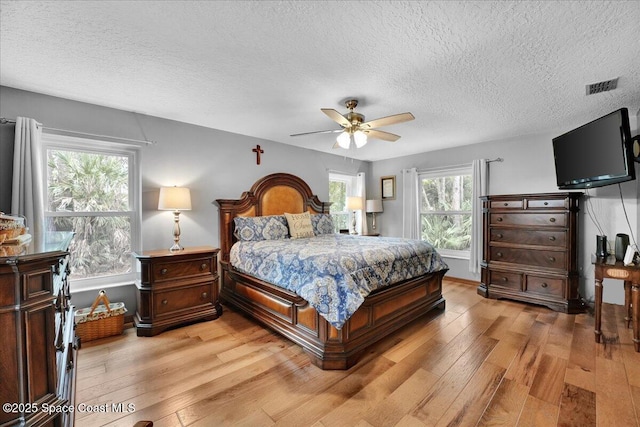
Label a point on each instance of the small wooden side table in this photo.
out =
(176, 288)
(630, 274)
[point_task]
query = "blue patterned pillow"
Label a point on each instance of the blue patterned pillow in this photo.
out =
(261, 228)
(322, 224)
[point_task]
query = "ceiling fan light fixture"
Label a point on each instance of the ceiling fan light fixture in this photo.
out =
(344, 140)
(360, 138)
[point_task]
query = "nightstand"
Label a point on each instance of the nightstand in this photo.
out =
(176, 288)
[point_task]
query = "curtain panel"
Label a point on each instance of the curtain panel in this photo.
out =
(361, 191)
(480, 187)
(27, 198)
(410, 204)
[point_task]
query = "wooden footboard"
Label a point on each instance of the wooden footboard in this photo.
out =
(382, 313)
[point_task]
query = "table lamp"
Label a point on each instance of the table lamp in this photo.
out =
(374, 207)
(354, 204)
(175, 199)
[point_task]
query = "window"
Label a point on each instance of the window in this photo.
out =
(92, 189)
(340, 186)
(445, 210)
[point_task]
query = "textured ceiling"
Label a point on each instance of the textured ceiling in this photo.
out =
(468, 71)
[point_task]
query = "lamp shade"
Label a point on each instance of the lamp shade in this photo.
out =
(354, 203)
(344, 140)
(174, 199)
(360, 138)
(374, 206)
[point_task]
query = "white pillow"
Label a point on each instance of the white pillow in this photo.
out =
(299, 225)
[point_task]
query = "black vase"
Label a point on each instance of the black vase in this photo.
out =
(601, 246)
(622, 241)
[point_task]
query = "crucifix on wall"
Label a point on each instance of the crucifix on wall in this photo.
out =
(258, 151)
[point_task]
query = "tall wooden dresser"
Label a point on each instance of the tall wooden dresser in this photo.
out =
(38, 351)
(530, 250)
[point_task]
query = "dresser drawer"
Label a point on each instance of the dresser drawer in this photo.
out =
(539, 258)
(554, 238)
(170, 270)
(529, 219)
(506, 204)
(547, 203)
(504, 279)
(180, 299)
(545, 286)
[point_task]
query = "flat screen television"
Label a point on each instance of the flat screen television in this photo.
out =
(596, 154)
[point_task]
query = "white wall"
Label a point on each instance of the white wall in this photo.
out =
(528, 167)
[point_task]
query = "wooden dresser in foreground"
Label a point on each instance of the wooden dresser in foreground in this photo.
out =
(176, 288)
(530, 250)
(39, 347)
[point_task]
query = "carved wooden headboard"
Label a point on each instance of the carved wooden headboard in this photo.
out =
(273, 194)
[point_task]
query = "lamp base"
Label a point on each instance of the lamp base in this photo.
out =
(176, 233)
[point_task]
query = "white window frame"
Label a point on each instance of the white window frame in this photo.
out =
(132, 152)
(441, 173)
(350, 181)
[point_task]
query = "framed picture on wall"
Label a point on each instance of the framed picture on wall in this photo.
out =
(388, 187)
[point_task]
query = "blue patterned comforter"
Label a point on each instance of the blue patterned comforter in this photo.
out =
(334, 273)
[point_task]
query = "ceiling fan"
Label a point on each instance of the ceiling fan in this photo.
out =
(356, 130)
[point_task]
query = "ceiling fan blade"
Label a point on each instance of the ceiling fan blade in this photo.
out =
(336, 117)
(386, 121)
(319, 131)
(380, 134)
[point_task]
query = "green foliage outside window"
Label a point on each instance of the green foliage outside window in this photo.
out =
(338, 209)
(445, 211)
(88, 194)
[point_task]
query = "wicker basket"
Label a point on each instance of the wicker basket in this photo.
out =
(100, 321)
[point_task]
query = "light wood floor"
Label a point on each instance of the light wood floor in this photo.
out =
(480, 362)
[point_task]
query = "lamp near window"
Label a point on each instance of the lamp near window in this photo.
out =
(175, 199)
(354, 204)
(373, 207)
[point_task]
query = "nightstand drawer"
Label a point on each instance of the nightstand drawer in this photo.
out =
(545, 286)
(554, 238)
(180, 299)
(180, 269)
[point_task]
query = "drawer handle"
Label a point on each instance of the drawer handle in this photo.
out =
(164, 271)
(552, 238)
(546, 203)
(165, 302)
(204, 295)
(203, 266)
(505, 279)
(552, 259)
(506, 204)
(499, 219)
(544, 285)
(552, 219)
(499, 254)
(499, 235)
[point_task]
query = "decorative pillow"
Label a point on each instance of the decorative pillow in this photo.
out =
(299, 225)
(271, 227)
(322, 224)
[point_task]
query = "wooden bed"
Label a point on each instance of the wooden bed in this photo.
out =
(383, 312)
